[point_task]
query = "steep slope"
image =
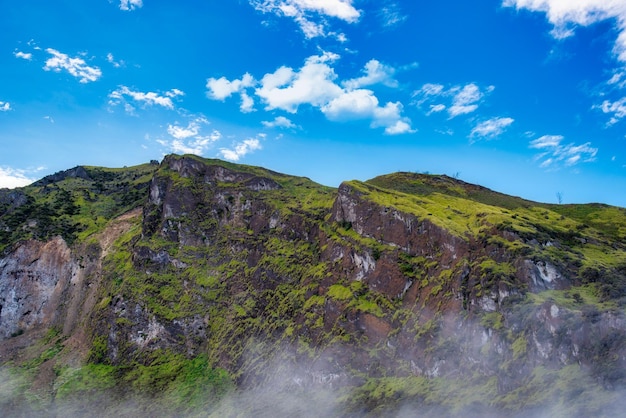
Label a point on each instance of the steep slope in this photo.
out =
(406, 291)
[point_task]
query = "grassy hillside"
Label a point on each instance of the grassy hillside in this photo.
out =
(405, 292)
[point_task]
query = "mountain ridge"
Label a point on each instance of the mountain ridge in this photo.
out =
(390, 290)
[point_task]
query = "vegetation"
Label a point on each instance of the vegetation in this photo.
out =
(235, 273)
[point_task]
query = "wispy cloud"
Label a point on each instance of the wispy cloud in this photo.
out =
(565, 16)
(616, 109)
(391, 15)
(310, 15)
(279, 122)
(123, 95)
(11, 178)
(192, 129)
(23, 55)
(491, 128)
(189, 139)
(111, 60)
(316, 84)
(554, 154)
(77, 67)
(459, 100)
(128, 5)
(241, 149)
(5, 106)
(466, 100)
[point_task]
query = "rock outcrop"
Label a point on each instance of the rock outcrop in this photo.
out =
(241, 265)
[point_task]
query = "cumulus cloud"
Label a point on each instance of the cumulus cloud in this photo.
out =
(491, 128)
(77, 67)
(130, 4)
(222, 88)
(313, 84)
(554, 154)
(241, 149)
(11, 178)
(5, 106)
(279, 122)
(375, 73)
(123, 94)
(460, 99)
(565, 16)
(316, 84)
(363, 104)
(309, 14)
(23, 55)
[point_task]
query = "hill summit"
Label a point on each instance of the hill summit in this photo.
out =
(195, 287)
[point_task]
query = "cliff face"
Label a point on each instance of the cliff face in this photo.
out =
(401, 277)
(32, 281)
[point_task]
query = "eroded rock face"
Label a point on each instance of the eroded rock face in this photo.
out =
(32, 281)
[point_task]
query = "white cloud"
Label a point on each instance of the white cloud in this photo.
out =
(315, 84)
(116, 64)
(241, 149)
(130, 4)
(463, 99)
(192, 129)
(491, 128)
(174, 93)
(363, 104)
(77, 67)
(279, 122)
(222, 88)
(123, 93)
(436, 108)
(547, 141)
(399, 127)
(5, 106)
(189, 139)
(247, 103)
(618, 79)
(23, 55)
(391, 15)
(305, 12)
(431, 89)
(197, 146)
(11, 178)
(565, 15)
(375, 73)
(555, 154)
(617, 109)
(351, 105)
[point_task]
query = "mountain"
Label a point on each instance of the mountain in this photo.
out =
(201, 287)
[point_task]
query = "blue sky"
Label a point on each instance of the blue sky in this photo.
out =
(527, 97)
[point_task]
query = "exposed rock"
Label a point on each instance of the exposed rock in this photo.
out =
(33, 279)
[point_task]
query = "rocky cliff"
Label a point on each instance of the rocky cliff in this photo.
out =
(407, 291)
